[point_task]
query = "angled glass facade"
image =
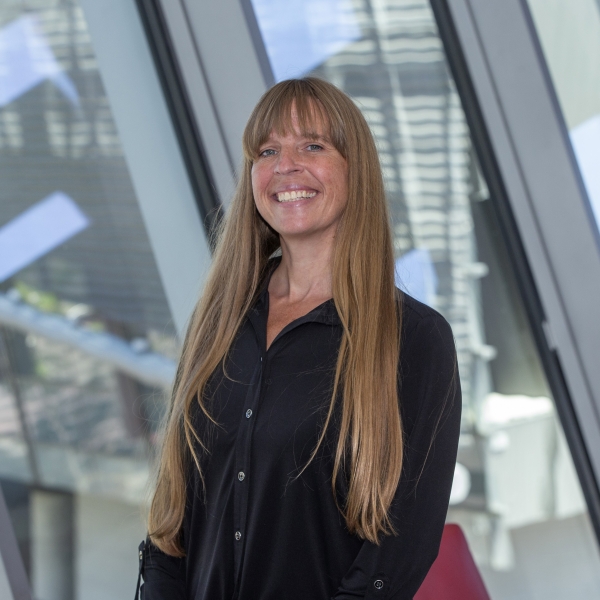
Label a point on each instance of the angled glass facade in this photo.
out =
(87, 340)
(516, 492)
(90, 316)
(77, 304)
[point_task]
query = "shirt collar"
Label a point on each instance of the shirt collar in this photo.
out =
(325, 313)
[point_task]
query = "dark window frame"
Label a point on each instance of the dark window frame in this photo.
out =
(184, 123)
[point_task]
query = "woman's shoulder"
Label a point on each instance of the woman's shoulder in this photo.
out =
(428, 369)
(423, 322)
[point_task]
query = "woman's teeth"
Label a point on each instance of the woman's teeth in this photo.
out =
(295, 195)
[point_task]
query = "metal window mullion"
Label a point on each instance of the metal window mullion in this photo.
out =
(177, 99)
(202, 103)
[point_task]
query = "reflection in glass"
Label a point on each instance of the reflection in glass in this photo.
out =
(87, 342)
(26, 59)
(301, 34)
(586, 145)
(37, 231)
(515, 493)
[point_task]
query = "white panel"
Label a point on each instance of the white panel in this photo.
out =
(51, 545)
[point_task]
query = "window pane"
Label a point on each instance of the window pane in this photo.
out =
(515, 493)
(87, 342)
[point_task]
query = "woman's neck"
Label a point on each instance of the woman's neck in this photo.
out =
(304, 271)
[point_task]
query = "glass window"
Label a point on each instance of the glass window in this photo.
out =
(570, 37)
(88, 346)
(515, 491)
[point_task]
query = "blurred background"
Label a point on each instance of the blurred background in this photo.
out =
(120, 129)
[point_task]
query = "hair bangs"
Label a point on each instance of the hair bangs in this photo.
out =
(297, 106)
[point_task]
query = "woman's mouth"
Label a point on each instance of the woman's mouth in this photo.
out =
(295, 195)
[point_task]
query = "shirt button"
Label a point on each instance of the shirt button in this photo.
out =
(378, 584)
(238, 535)
(248, 413)
(241, 475)
(268, 382)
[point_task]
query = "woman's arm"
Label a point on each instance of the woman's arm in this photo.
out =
(164, 575)
(431, 407)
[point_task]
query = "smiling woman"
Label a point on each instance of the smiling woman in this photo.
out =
(300, 182)
(314, 422)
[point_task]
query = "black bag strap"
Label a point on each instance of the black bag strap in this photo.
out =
(142, 559)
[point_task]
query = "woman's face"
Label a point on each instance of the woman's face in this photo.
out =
(300, 184)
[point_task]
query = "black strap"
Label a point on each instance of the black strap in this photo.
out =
(142, 558)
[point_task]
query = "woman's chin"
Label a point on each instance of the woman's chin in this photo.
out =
(298, 231)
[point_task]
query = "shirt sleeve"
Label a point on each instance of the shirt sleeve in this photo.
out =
(164, 575)
(430, 400)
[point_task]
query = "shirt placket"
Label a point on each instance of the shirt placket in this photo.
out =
(243, 471)
(250, 412)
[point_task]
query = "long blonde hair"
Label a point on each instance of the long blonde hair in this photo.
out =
(369, 449)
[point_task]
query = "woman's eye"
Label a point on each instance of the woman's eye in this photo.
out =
(267, 152)
(314, 147)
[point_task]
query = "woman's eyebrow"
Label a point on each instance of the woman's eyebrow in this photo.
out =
(270, 141)
(316, 137)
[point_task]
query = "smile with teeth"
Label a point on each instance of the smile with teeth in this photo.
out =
(295, 195)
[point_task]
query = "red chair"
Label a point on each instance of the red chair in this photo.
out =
(453, 575)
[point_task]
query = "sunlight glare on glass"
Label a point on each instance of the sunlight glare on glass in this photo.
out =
(37, 231)
(26, 60)
(415, 275)
(586, 145)
(299, 35)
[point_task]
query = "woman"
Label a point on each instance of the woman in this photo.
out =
(314, 424)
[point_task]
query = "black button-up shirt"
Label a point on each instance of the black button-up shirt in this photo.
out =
(262, 530)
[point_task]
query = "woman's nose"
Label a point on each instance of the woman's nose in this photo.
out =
(287, 162)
